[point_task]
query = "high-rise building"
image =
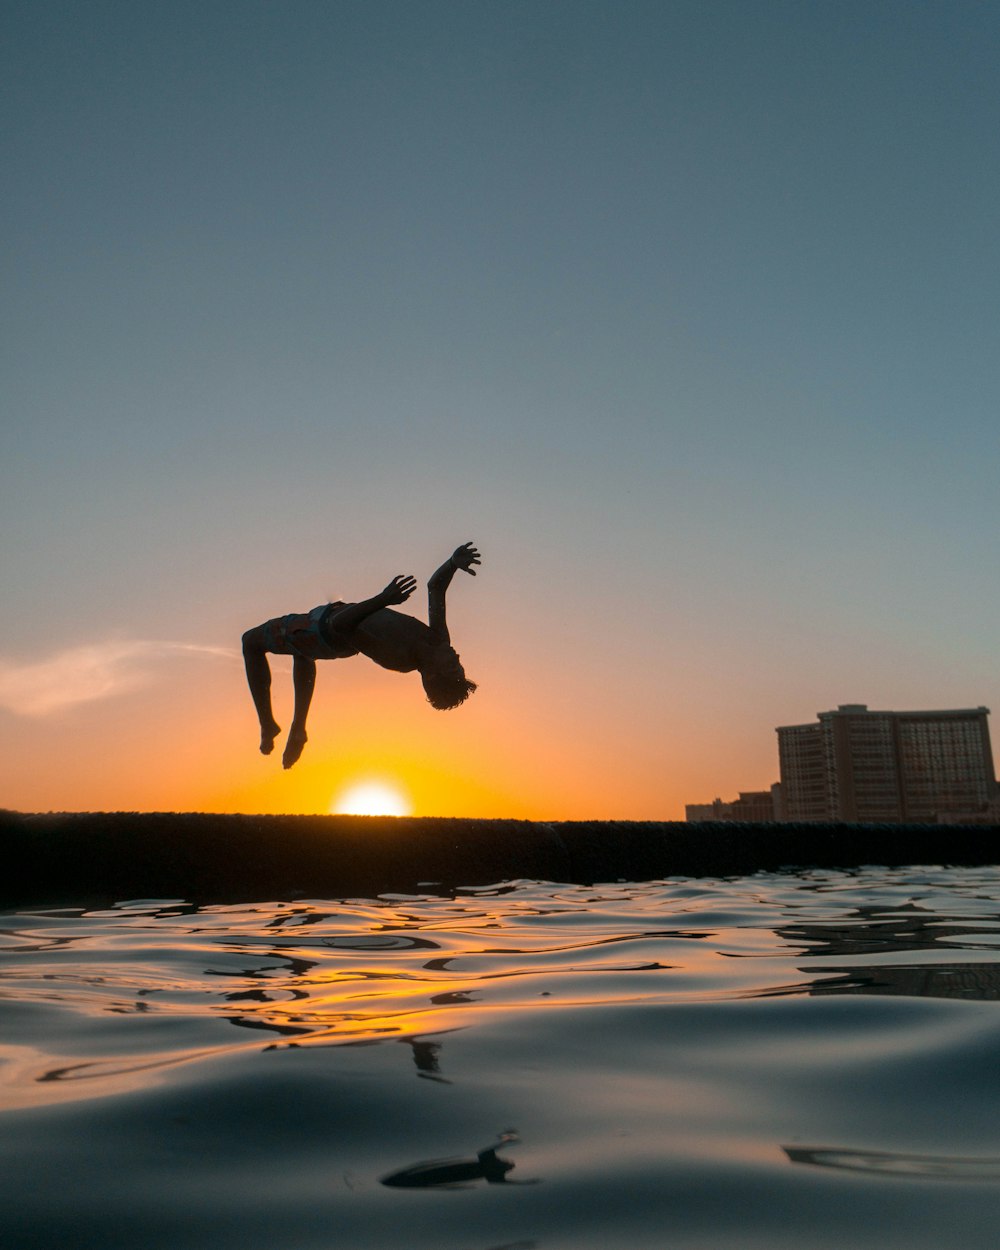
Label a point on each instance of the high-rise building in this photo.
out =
(860, 765)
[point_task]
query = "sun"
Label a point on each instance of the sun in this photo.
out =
(370, 798)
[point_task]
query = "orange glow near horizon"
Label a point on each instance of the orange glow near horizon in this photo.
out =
(443, 782)
(503, 755)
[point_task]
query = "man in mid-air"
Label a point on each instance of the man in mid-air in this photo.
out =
(334, 631)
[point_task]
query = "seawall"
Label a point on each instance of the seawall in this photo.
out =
(91, 858)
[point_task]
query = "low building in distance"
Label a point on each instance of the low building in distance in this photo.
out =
(753, 805)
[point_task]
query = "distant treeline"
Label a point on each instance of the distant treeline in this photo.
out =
(87, 858)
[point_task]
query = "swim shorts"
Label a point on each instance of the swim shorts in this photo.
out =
(300, 633)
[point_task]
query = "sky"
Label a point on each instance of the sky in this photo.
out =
(685, 313)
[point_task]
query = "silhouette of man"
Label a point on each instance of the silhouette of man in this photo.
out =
(450, 1173)
(334, 631)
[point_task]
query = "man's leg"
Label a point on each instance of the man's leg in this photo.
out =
(259, 681)
(303, 681)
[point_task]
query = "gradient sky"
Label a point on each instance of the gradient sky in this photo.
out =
(686, 313)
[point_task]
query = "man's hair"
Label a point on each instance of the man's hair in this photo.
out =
(447, 690)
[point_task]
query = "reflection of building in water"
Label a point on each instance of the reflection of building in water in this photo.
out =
(877, 767)
(894, 934)
(857, 765)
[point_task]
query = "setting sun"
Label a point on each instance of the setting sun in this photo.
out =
(370, 798)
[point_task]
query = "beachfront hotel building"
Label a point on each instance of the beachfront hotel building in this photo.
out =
(859, 765)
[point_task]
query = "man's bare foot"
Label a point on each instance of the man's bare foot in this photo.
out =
(293, 747)
(267, 737)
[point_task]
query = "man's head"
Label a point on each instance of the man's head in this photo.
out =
(444, 679)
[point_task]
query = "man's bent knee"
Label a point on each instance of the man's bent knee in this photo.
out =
(254, 641)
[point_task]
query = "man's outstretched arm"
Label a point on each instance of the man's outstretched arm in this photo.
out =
(463, 558)
(398, 591)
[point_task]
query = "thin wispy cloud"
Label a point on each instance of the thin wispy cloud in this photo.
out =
(87, 673)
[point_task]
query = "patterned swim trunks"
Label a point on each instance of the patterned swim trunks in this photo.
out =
(299, 634)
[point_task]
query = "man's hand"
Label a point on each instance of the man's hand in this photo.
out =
(465, 557)
(400, 588)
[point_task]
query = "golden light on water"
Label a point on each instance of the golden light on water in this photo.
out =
(371, 797)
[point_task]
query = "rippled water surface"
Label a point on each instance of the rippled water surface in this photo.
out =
(784, 1060)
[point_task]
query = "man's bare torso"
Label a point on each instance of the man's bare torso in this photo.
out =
(393, 640)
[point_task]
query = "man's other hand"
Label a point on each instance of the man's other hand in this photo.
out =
(400, 588)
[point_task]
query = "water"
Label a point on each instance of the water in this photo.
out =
(783, 1060)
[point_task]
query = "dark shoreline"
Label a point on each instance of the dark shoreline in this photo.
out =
(93, 858)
